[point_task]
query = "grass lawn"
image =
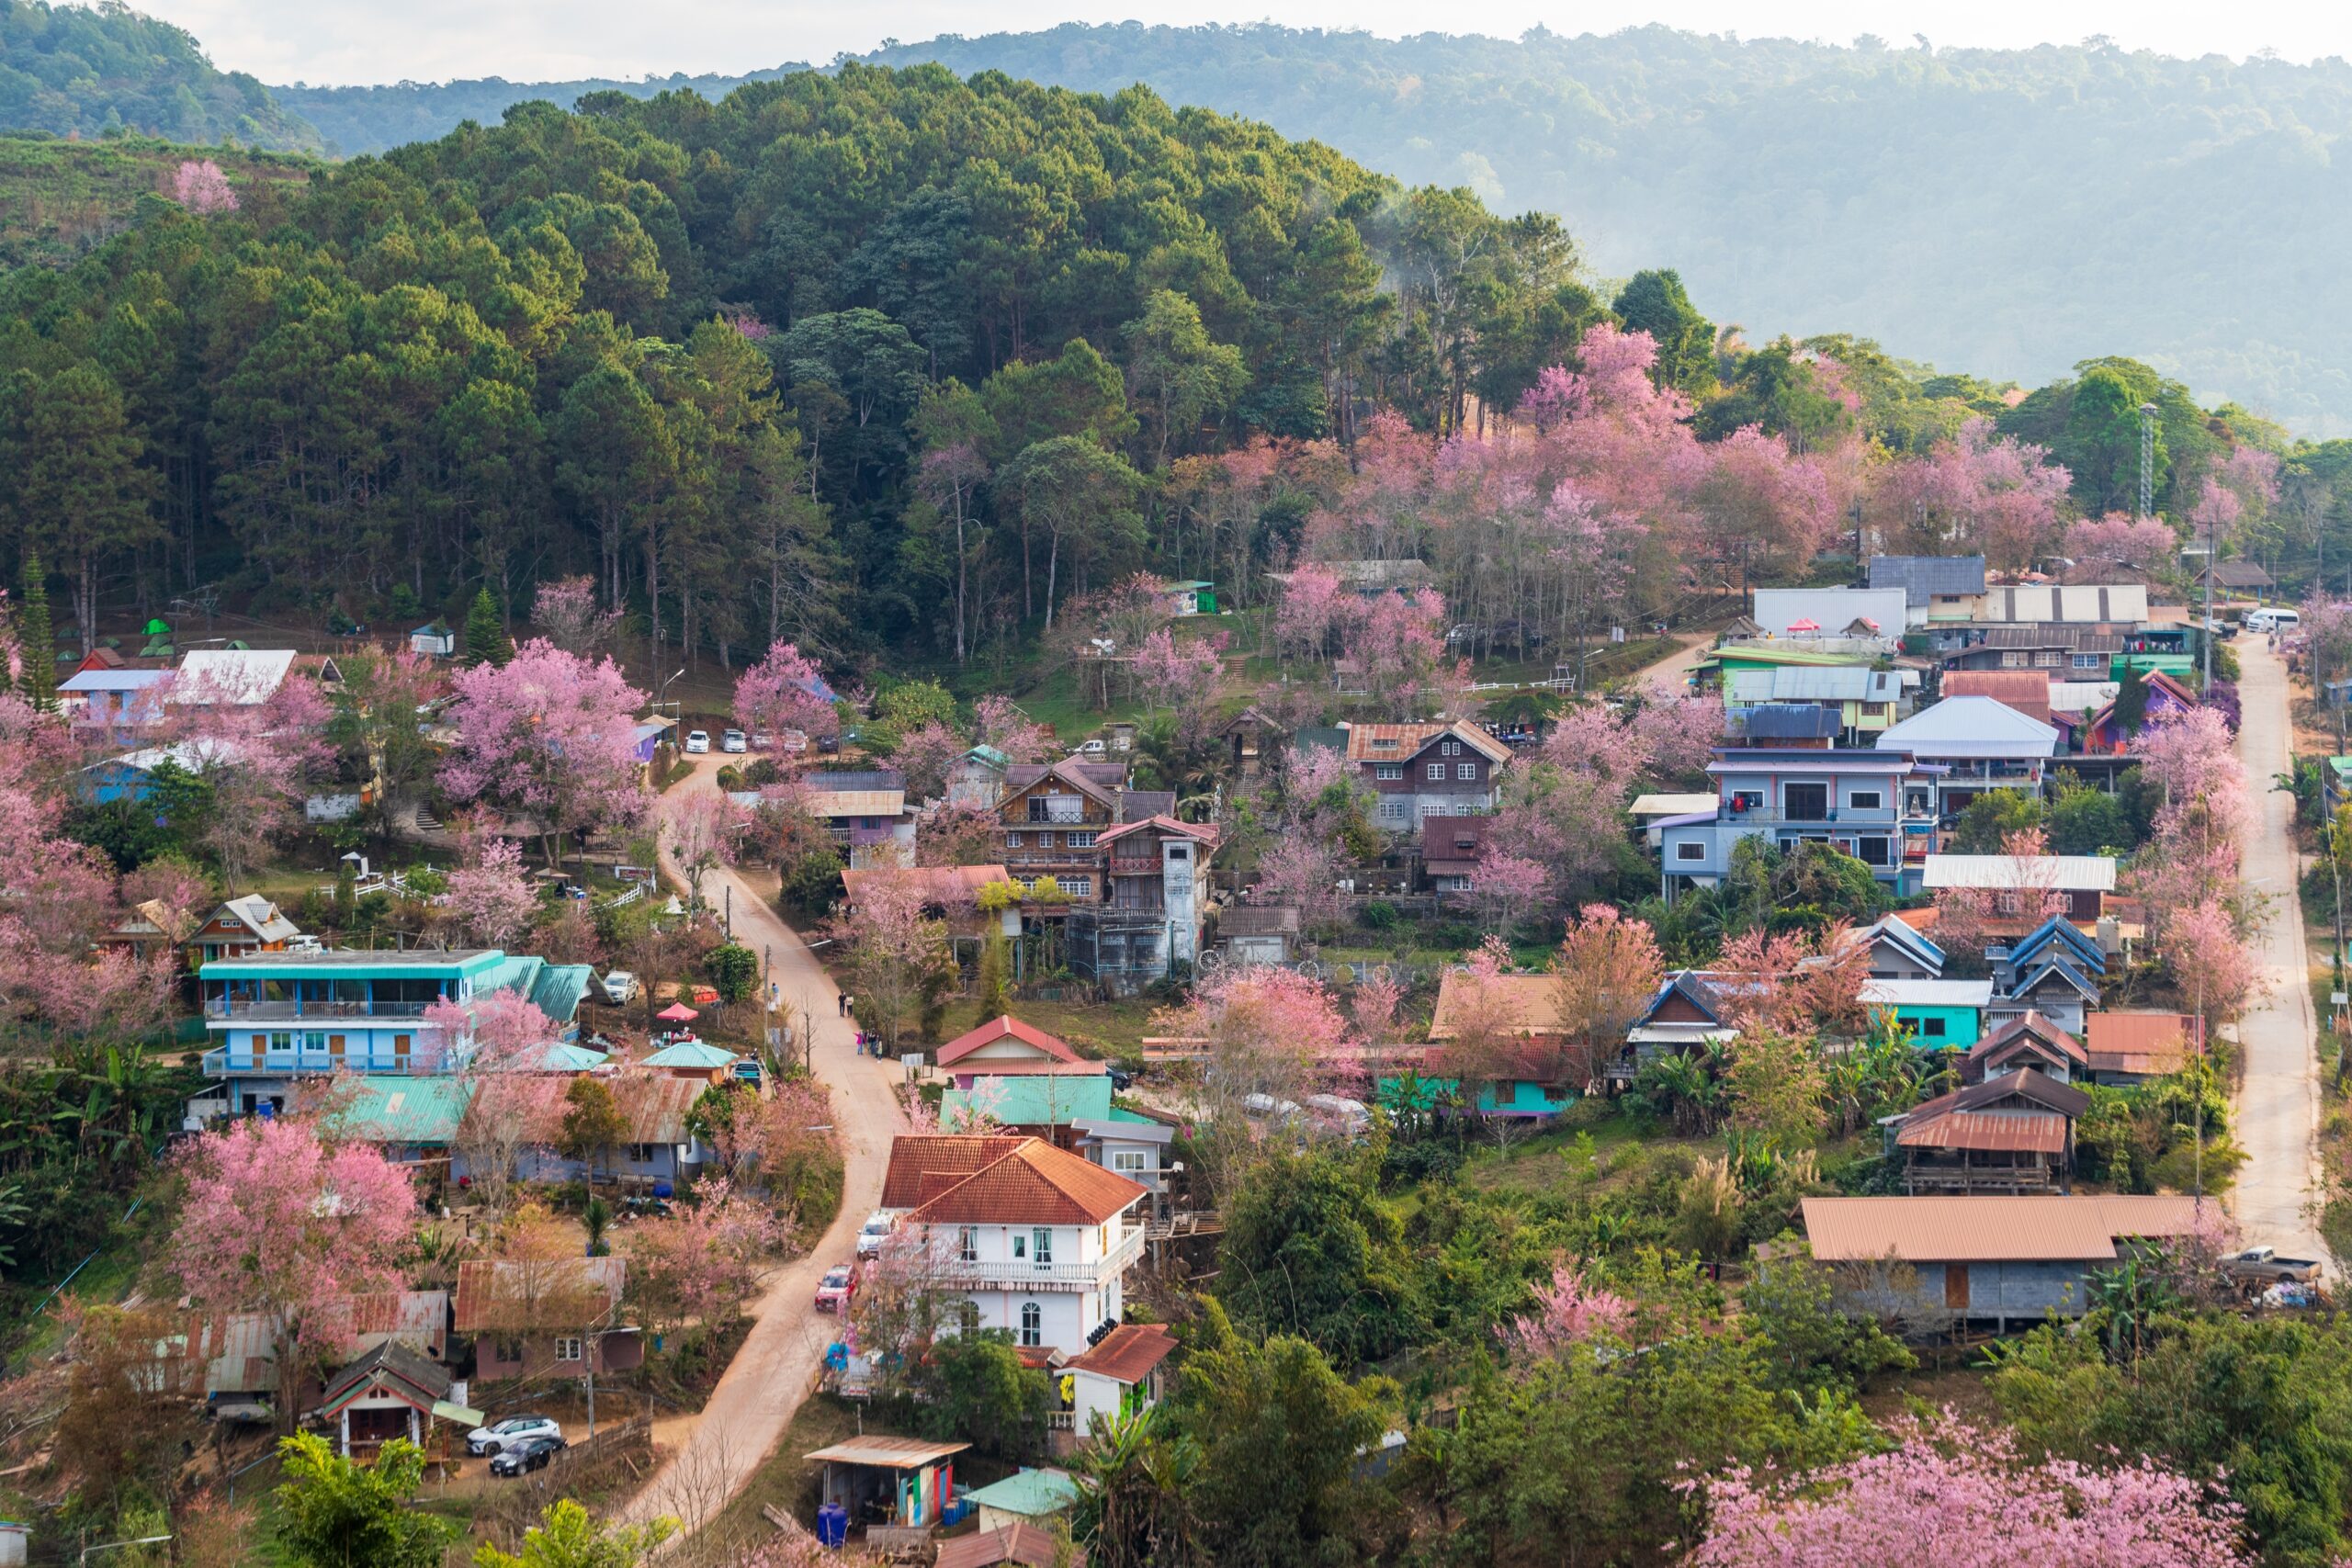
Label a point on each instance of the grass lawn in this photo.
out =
(1110, 1027)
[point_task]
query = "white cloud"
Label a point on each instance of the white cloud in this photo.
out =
(372, 40)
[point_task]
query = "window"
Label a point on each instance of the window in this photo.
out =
(2047, 661)
(1437, 770)
(1128, 1162)
(1931, 1028)
(1865, 799)
(1041, 1243)
(1033, 1325)
(641, 1153)
(1020, 1246)
(1383, 743)
(2013, 661)
(1457, 884)
(1388, 770)
(1433, 809)
(314, 1041)
(1872, 851)
(511, 1351)
(1012, 841)
(567, 1349)
(281, 1041)
(1805, 802)
(1392, 811)
(967, 1244)
(967, 1315)
(1078, 887)
(1466, 772)
(1450, 749)
(1176, 853)
(1691, 849)
(1748, 800)
(2089, 661)
(1078, 840)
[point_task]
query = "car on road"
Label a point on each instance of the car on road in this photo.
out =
(732, 740)
(1093, 748)
(531, 1453)
(697, 741)
(764, 741)
(620, 986)
(2263, 1265)
(874, 1232)
(829, 745)
(838, 1288)
(503, 1434)
(2267, 619)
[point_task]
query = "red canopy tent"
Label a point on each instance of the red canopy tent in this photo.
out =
(677, 1012)
(1807, 625)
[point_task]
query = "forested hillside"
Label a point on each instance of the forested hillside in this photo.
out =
(2013, 211)
(96, 71)
(373, 120)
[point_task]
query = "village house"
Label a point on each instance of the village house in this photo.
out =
(2060, 652)
(2054, 969)
(2016, 884)
(1034, 1239)
(230, 1358)
(1148, 925)
(1133, 1144)
(1860, 615)
(1688, 1015)
(1528, 1072)
(2167, 696)
(976, 779)
(1897, 951)
(1005, 1046)
(1052, 814)
(1934, 1264)
(1418, 770)
(1875, 804)
(2031, 693)
(392, 1392)
(1124, 1374)
(524, 1110)
(228, 677)
(1864, 701)
(2027, 1040)
(240, 927)
(1251, 742)
(1031, 1498)
(1450, 848)
(865, 811)
(952, 893)
(2010, 1133)
(546, 1317)
(2117, 604)
(414, 1118)
(2127, 1048)
(1940, 1015)
(112, 705)
(1937, 589)
(1966, 746)
(1256, 934)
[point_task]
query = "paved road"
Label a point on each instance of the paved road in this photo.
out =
(2278, 1101)
(756, 1397)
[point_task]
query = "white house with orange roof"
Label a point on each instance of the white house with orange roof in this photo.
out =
(1035, 1240)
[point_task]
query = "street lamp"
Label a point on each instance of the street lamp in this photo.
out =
(663, 688)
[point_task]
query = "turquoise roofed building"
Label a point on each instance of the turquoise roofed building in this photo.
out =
(276, 1018)
(1032, 1101)
(412, 1119)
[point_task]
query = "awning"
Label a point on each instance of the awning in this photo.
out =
(677, 1012)
(450, 1410)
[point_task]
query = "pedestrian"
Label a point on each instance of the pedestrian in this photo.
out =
(842, 1002)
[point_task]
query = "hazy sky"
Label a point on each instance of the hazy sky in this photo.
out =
(380, 41)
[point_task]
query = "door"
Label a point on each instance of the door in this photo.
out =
(334, 1051)
(1956, 1286)
(1805, 802)
(400, 1051)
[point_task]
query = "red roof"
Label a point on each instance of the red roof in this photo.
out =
(953, 1154)
(1003, 1027)
(1128, 1354)
(1029, 1183)
(2151, 1043)
(2027, 691)
(2016, 1030)
(1018, 1067)
(1203, 832)
(1015, 1543)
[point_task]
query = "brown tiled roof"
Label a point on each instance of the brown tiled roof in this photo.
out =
(1365, 741)
(2038, 1131)
(1127, 1354)
(913, 1157)
(1142, 805)
(1986, 1228)
(1031, 1183)
(1004, 1026)
(947, 885)
(1015, 1543)
(1258, 920)
(1452, 839)
(2147, 1043)
(490, 1290)
(2028, 690)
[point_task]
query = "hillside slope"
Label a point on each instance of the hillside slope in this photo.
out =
(85, 70)
(64, 197)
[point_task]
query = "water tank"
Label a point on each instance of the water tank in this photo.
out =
(662, 1190)
(832, 1529)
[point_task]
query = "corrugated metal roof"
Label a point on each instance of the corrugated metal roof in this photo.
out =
(2028, 690)
(1970, 726)
(499, 1294)
(692, 1054)
(1033, 1492)
(1988, 1229)
(415, 1109)
(1923, 576)
(1928, 993)
(1400, 742)
(2034, 1026)
(235, 677)
(2147, 1043)
(2066, 874)
(1001, 1028)
(1529, 1003)
(889, 1454)
(2036, 1131)
(857, 803)
(1789, 721)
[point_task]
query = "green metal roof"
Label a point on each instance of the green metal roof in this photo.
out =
(692, 1054)
(341, 965)
(1117, 1114)
(1034, 1492)
(1040, 1100)
(406, 1110)
(554, 989)
(563, 1058)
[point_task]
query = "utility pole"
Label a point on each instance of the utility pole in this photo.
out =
(2147, 461)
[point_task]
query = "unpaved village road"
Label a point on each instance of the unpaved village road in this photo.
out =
(774, 1372)
(2279, 1100)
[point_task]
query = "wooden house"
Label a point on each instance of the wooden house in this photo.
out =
(392, 1392)
(546, 1317)
(2010, 1133)
(2054, 969)
(2029, 1041)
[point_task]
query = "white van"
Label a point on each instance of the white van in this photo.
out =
(2272, 620)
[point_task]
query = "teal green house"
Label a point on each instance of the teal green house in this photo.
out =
(1940, 1014)
(1030, 1099)
(1527, 1098)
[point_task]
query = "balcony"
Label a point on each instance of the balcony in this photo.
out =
(234, 1061)
(1075, 860)
(1843, 816)
(1135, 866)
(1020, 1274)
(247, 1010)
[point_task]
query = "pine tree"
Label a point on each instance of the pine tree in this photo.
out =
(991, 977)
(485, 638)
(2132, 700)
(36, 640)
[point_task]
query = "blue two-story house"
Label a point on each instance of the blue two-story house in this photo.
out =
(276, 1018)
(1878, 806)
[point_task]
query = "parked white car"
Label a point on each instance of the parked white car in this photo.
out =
(2272, 620)
(620, 986)
(731, 740)
(502, 1435)
(874, 1232)
(1093, 748)
(697, 741)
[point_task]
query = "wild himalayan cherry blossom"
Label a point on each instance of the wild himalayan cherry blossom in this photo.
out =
(1181, 676)
(1504, 887)
(200, 187)
(1983, 1503)
(1269, 1028)
(1978, 492)
(257, 750)
(783, 691)
(497, 1031)
(1569, 1310)
(1607, 970)
(276, 1221)
(1314, 610)
(2217, 973)
(1767, 508)
(700, 1261)
(1301, 870)
(489, 900)
(999, 722)
(1789, 984)
(550, 735)
(925, 754)
(1398, 646)
(700, 831)
(566, 613)
(2119, 539)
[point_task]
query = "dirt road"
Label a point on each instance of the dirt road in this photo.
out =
(2278, 1101)
(1671, 675)
(757, 1395)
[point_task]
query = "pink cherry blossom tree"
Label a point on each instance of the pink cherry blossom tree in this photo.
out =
(489, 900)
(925, 754)
(1607, 970)
(1983, 1505)
(1506, 887)
(2217, 973)
(277, 1221)
(548, 734)
(1266, 1031)
(698, 1264)
(2120, 540)
(200, 187)
(566, 613)
(1767, 508)
(258, 751)
(1314, 610)
(497, 1031)
(1182, 676)
(999, 722)
(700, 831)
(1979, 492)
(1301, 870)
(783, 691)
(1570, 1309)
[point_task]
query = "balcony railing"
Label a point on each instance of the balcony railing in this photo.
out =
(1022, 1273)
(1082, 860)
(229, 1061)
(1844, 816)
(254, 1010)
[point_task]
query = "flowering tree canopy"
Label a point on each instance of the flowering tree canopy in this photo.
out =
(783, 691)
(549, 734)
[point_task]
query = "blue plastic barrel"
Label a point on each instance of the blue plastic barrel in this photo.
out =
(832, 1526)
(662, 1190)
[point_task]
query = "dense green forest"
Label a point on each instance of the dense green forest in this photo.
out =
(2013, 211)
(96, 71)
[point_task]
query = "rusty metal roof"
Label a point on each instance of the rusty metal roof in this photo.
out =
(1987, 1229)
(2148, 1042)
(2033, 1132)
(889, 1454)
